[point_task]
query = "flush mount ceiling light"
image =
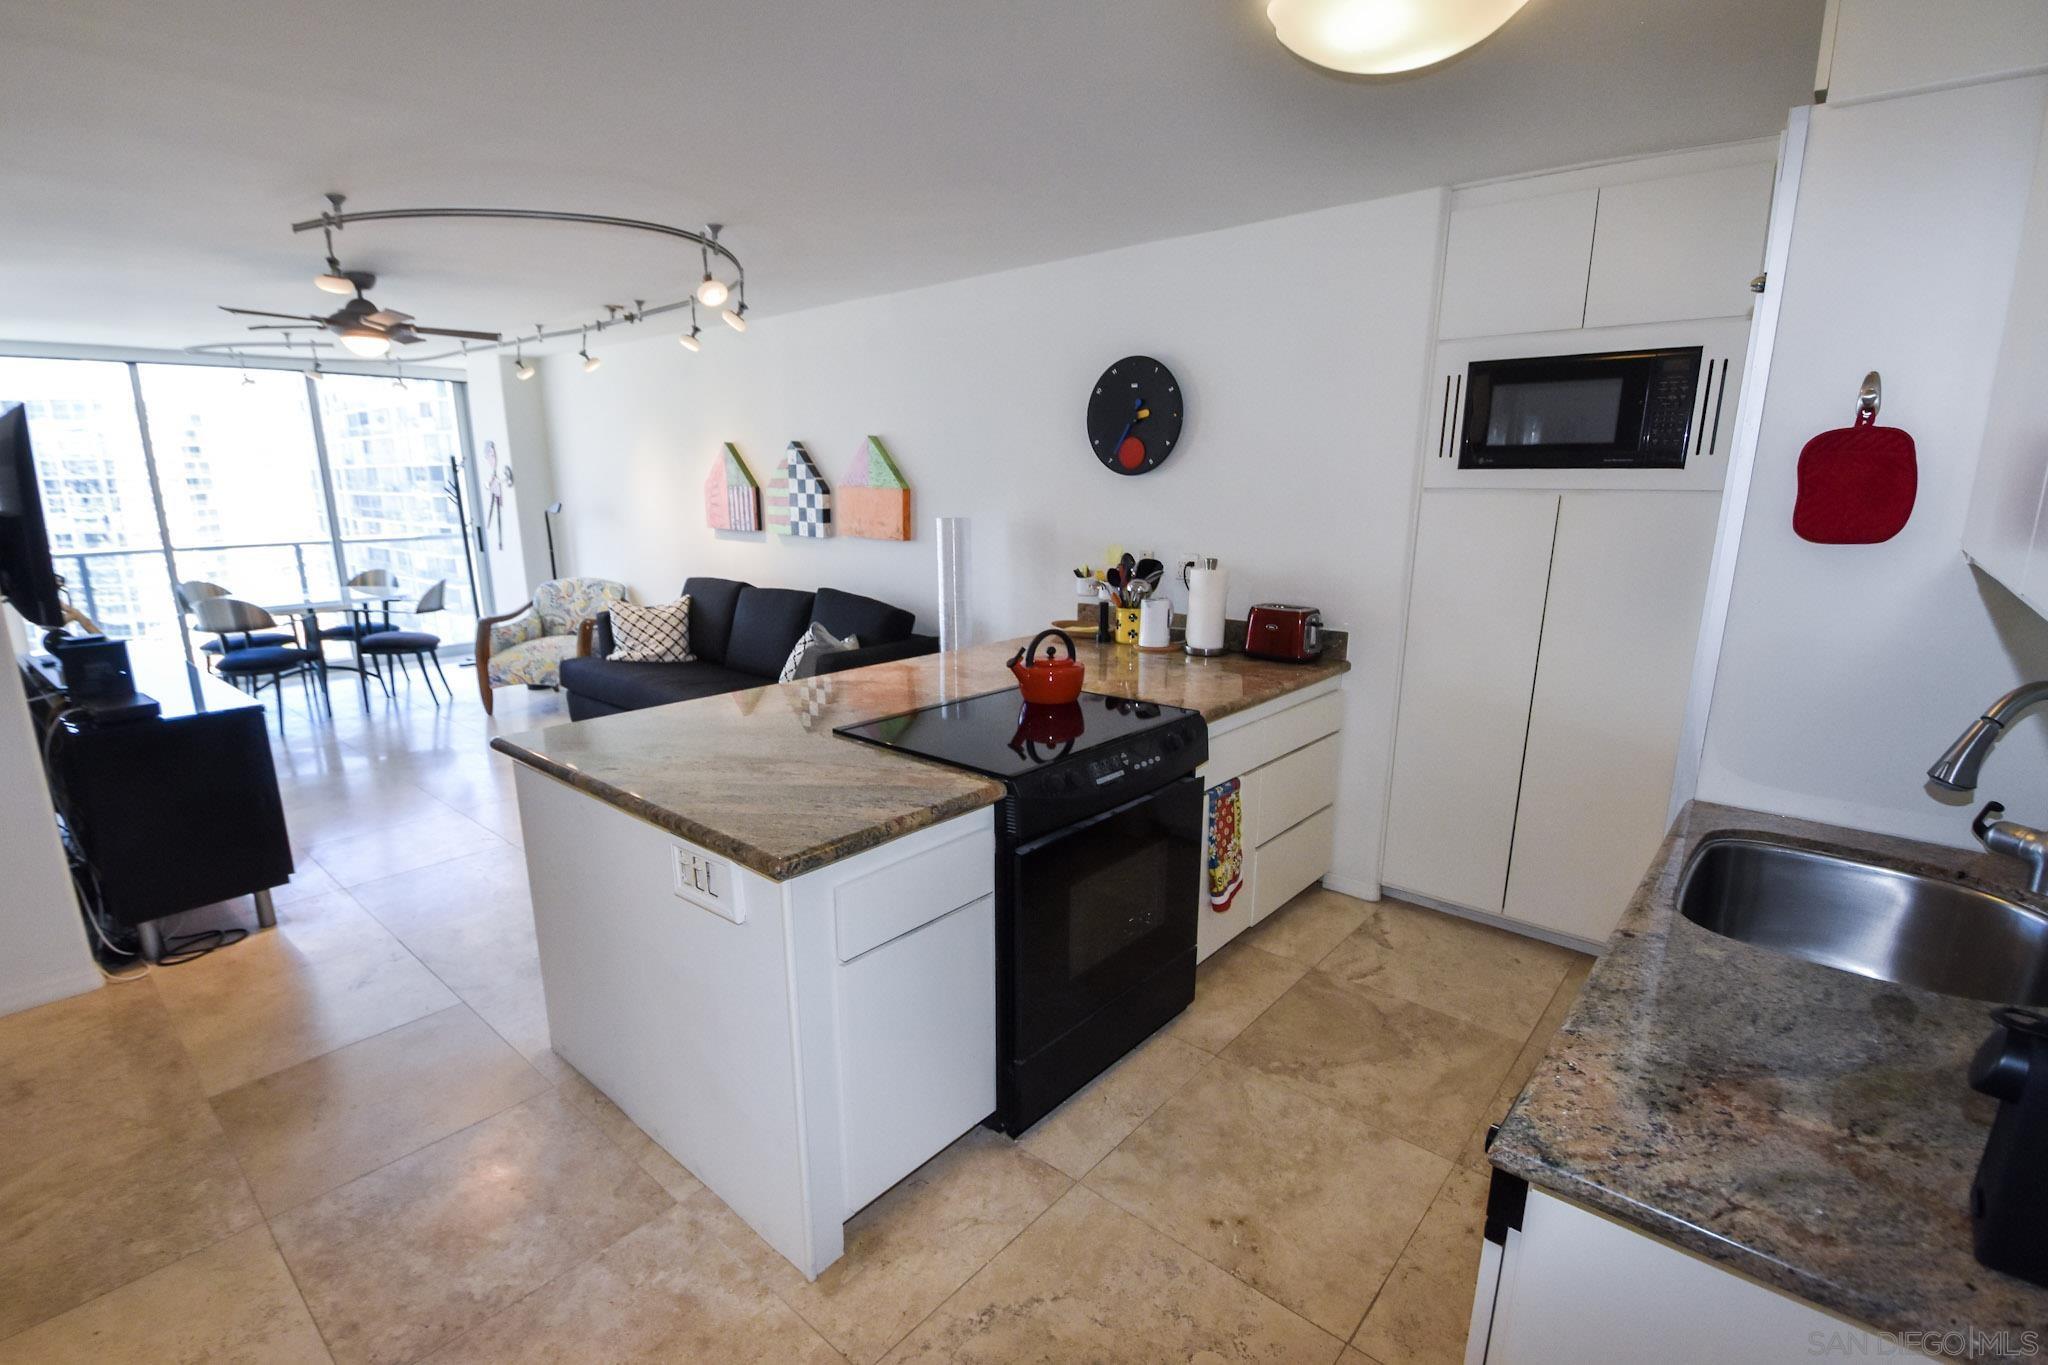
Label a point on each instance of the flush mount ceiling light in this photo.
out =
(371, 333)
(1381, 37)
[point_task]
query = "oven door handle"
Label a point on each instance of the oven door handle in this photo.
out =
(1082, 825)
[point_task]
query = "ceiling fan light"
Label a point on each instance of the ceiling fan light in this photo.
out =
(367, 342)
(335, 284)
(736, 320)
(711, 291)
(688, 341)
(1381, 37)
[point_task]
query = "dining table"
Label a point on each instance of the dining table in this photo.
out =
(361, 606)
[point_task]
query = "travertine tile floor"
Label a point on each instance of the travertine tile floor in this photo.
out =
(348, 1139)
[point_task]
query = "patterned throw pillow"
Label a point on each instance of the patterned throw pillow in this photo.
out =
(816, 643)
(651, 635)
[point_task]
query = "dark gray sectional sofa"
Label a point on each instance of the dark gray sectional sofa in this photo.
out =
(741, 636)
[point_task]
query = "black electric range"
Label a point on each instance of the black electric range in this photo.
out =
(1098, 875)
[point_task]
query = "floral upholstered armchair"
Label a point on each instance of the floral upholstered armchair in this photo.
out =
(528, 645)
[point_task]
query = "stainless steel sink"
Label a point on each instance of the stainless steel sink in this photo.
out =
(1895, 926)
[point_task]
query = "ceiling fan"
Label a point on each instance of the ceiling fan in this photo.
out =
(365, 329)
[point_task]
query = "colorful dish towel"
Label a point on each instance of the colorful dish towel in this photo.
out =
(1226, 843)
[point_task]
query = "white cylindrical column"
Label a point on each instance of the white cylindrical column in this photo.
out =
(954, 629)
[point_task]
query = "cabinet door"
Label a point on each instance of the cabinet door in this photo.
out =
(2002, 535)
(1619, 627)
(1517, 266)
(1682, 247)
(1474, 615)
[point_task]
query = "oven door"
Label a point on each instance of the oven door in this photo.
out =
(1628, 409)
(1097, 908)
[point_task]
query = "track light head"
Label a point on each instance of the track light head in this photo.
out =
(688, 340)
(711, 291)
(524, 368)
(334, 282)
(736, 318)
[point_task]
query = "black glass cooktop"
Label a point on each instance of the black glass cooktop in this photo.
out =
(996, 734)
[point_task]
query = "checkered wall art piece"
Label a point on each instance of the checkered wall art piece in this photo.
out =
(799, 499)
(874, 497)
(732, 499)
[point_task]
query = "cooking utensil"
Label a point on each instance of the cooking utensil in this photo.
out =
(1052, 680)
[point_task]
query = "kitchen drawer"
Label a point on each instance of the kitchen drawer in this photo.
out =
(1236, 752)
(1291, 788)
(1290, 862)
(888, 903)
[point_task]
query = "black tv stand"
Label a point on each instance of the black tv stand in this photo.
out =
(171, 809)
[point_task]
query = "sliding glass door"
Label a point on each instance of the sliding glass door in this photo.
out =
(274, 485)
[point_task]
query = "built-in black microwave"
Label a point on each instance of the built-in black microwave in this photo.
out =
(1612, 410)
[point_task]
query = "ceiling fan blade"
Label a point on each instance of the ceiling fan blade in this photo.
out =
(259, 313)
(387, 317)
(286, 327)
(455, 332)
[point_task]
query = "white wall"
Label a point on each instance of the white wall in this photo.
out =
(1847, 669)
(1301, 344)
(505, 410)
(46, 957)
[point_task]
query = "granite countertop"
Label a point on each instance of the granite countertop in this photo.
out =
(1804, 1126)
(759, 777)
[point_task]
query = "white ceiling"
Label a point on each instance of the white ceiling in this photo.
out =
(153, 156)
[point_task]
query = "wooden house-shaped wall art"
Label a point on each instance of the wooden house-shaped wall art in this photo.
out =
(799, 499)
(732, 499)
(874, 497)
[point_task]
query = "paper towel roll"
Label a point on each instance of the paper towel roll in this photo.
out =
(1205, 609)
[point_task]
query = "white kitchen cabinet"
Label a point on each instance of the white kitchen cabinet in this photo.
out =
(1569, 1286)
(1871, 49)
(1475, 617)
(1285, 756)
(1517, 266)
(1679, 247)
(2002, 534)
(1622, 615)
(799, 1045)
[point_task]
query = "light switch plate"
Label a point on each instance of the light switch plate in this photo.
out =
(706, 882)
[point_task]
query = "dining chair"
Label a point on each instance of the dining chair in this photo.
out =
(249, 666)
(194, 591)
(418, 645)
(361, 627)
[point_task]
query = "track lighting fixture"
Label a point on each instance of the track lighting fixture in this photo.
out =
(688, 341)
(736, 318)
(521, 366)
(590, 362)
(711, 291)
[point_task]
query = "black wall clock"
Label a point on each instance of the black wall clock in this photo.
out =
(1134, 415)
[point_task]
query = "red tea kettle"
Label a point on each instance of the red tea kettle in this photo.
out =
(1050, 681)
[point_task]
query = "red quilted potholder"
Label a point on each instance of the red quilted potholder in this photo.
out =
(1856, 484)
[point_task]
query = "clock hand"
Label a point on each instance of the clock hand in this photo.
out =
(1139, 412)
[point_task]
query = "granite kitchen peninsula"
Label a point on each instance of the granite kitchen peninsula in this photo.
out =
(784, 952)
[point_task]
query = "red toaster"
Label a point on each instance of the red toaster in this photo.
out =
(1275, 630)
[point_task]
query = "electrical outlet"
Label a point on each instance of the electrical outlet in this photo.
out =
(706, 882)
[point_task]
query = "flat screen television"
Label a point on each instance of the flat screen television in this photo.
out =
(28, 577)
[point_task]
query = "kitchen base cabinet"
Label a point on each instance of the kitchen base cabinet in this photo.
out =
(1285, 757)
(800, 1045)
(1570, 1286)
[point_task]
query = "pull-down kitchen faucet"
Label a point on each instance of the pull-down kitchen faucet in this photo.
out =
(1957, 771)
